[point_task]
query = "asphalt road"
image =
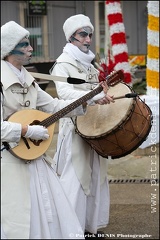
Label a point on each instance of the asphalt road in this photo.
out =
(134, 212)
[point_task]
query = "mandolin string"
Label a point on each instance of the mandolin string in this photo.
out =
(56, 116)
(118, 75)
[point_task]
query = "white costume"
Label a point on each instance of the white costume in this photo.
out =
(83, 172)
(33, 202)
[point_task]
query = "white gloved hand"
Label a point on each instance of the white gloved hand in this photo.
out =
(37, 132)
(96, 97)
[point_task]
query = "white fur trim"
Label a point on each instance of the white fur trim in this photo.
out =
(73, 23)
(11, 34)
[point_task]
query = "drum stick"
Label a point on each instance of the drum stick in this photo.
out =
(128, 95)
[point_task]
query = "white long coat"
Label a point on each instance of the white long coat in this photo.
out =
(83, 172)
(33, 203)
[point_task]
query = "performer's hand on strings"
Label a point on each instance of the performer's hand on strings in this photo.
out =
(36, 132)
(106, 98)
(102, 98)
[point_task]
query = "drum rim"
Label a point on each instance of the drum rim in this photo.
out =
(149, 119)
(132, 149)
(123, 120)
(116, 127)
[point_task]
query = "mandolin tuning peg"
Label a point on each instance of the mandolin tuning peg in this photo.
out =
(112, 72)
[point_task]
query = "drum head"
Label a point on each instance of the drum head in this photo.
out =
(101, 119)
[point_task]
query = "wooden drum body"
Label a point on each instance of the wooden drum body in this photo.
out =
(116, 129)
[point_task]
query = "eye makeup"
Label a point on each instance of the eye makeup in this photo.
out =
(22, 44)
(85, 34)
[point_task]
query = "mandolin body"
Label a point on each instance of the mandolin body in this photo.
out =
(28, 149)
(26, 117)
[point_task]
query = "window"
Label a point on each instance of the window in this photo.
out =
(34, 25)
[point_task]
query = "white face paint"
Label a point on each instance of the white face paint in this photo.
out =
(83, 38)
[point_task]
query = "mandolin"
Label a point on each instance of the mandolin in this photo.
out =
(29, 149)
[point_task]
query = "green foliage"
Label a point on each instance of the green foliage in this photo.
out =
(140, 87)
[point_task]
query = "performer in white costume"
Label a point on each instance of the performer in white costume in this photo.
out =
(33, 202)
(83, 173)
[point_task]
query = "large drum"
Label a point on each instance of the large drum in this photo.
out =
(116, 129)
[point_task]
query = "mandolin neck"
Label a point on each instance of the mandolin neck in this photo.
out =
(111, 79)
(61, 113)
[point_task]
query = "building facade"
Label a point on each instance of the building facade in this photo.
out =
(44, 20)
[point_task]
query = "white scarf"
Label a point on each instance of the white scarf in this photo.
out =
(20, 73)
(84, 58)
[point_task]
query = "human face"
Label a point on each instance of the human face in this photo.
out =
(83, 39)
(23, 52)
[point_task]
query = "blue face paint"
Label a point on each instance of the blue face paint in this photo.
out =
(22, 44)
(15, 51)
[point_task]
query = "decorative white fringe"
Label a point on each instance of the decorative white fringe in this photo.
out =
(153, 8)
(113, 8)
(117, 28)
(153, 38)
(119, 48)
(153, 64)
(124, 65)
(152, 91)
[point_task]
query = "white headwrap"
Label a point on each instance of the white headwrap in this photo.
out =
(73, 23)
(11, 34)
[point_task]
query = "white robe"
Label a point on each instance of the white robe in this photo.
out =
(33, 202)
(83, 173)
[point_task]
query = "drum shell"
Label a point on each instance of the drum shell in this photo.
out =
(126, 136)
